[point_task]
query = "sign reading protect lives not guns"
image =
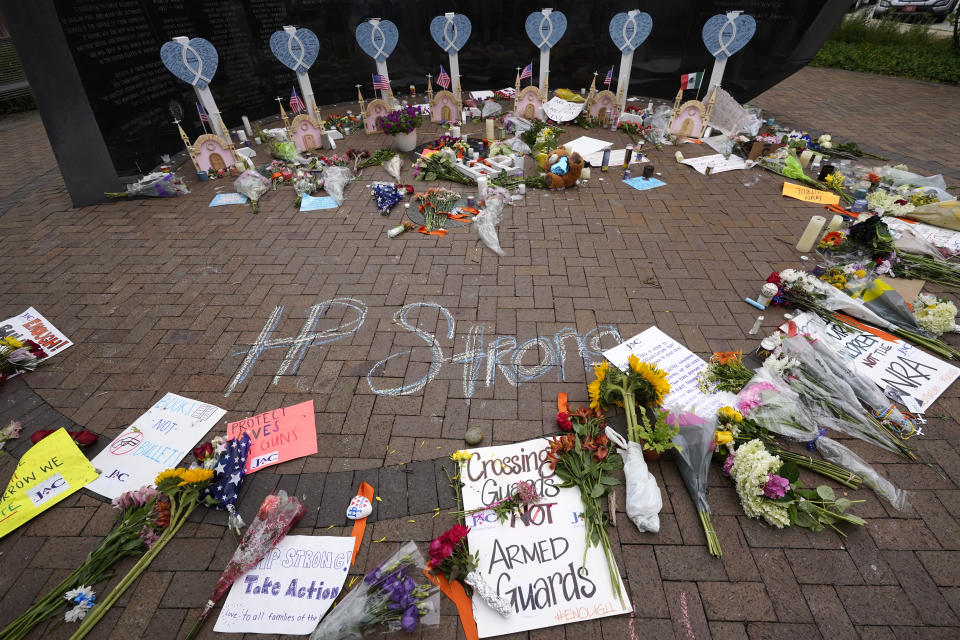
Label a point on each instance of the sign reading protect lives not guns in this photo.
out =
(158, 440)
(277, 436)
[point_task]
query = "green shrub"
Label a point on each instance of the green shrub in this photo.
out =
(920, 63)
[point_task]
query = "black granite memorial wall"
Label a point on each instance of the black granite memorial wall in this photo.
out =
(115, 49)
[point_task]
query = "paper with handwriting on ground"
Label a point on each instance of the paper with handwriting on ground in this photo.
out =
(228, 198)
(316, 203)
(278, 436)
(158, 440)
(291, 589)
(717, 163)
(809, 195)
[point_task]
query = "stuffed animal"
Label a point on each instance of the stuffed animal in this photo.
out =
(562, 168)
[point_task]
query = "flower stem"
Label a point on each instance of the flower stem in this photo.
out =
(713, 542)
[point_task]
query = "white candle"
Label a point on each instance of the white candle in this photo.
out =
(490, 129)
(811, 233)
(455, 132)
(523, 188)
(585, 173)
(482, 186)
(835, 223)
(242, 135)
(806, 157)
(678, 156)
(518, 161)
(246, 126)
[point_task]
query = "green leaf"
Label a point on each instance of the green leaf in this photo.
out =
(842, 504)
(609, 480)
(805, 520)
(805, 506)
(431, 176)
(790, 471)
(825, 492)
(597, 491)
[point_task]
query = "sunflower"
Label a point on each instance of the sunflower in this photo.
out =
(657, 381)
(727, 357)
(168, 474)
(195, 476)
(600, 371)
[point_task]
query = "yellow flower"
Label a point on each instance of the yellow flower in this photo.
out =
(10, 341)
(730, 414)
(195, 476)
(634, 363)
(593, 389)
(860, 273)
(169, 473)
(657, 379)
(722, 437)
(460, 456)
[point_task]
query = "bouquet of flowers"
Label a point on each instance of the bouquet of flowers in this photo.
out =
(253, 185)
(435, 204)
(17, 356)
(874, 237)
(450, 557)
(524, 494)
(277, 514)
(335, 180)
(402, 120)
(724, 372)
(387, 595)
(387, 196)
(181, 489)
(10, 432)
(936, 315)
(770, 489)
(364, 159)
(772, 404)
(83, 437)
(585, 458)
(159, 184)
(438, 166)
(142, 517)
(345, 124)
(694, 443)
(541, 137)
(208, 453)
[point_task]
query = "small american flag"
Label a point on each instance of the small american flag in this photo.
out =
(381, 82)
(527, 71)
(609, 77)
(296, 103)
(203, 114)
(229, 473)
(443, 79)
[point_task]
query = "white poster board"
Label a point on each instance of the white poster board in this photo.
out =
(30, 325)
(585, 145)
(682, 366)
(717, 163)
(290, 590)
(158, 440)
(563, 110)
(937, 236)
(913, 372)
(727, 114)
(533, 561)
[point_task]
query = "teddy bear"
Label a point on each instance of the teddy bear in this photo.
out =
(562, 168)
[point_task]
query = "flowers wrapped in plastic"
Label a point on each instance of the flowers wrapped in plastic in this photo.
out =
(388, 596)
(229, 472)
(286, 151)
(253, 185)
(694, 443)
(393, 166)
(335, 180)
(485, 223)
(643, 499)
(277, 514)
(387, 195)
(775, 406)
(154, 185)
(451, 558)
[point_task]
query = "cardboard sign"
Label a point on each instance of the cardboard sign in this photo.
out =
(47, 473)
(912, 372)
(809, 195)
(682, 366)
(533, 560)
(717, 163)
(158, 440)
(291, 589)
(30, 325)
(277, 436)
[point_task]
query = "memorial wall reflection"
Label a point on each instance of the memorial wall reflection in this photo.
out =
(116, 46)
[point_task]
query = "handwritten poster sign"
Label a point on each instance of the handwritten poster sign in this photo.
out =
(534, 560)
(682, 365)
(717, 163)
(291, 589)
(30, 325)
(48, 472)
(809, 195)
(937, 236)
(563, 110)
(727, 115)
(277, 436)
(909, 370)
(158, 440)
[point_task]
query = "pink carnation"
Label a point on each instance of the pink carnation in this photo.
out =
(775, 486)
(750, 397)
(728, 465)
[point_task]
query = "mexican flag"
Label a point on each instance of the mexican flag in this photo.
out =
(691, 80)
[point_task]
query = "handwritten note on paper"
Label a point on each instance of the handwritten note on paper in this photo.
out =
(563, 110)
(809, 195)
(717, 163)
(228, 198)
(682, 365)
(535, 560)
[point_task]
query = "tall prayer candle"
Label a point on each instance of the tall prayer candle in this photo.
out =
(811, 233)
(490, 129)
(835, 223)
(482, 186)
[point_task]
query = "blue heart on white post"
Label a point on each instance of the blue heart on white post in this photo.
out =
(629, 30)
(451, 32)
(545, 28)
(724, 35)
(377, 38)
(296, 49)
(194, 61)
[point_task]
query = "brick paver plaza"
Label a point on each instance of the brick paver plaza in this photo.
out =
(418, 338)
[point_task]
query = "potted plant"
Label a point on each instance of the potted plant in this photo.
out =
(402, 125)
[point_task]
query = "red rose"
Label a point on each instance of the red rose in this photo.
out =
(84, 438)
(563, 421)
(40, 435)
(203, 452)
(774, 278)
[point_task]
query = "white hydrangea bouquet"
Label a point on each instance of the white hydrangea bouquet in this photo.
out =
(936, 315)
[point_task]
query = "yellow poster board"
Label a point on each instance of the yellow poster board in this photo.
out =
(50, 471)
(809, 195)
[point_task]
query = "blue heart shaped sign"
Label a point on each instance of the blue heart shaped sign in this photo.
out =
(629, 30)
(297, 50)
(377, 39)
(546, 29)
(451, 32)
(725, 35)
(194, 62)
